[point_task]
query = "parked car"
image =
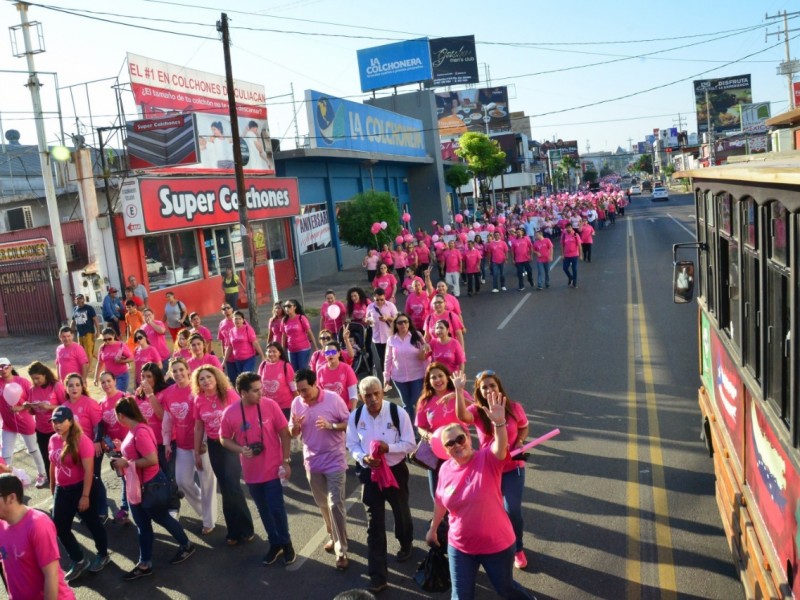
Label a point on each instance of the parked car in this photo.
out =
(635, 190)
(660, 193)
(647, 186)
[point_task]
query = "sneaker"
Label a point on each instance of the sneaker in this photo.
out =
(522, 289)
(520, 560)
(183, 553)
(539, 288)
(329, 547)
(377, 588)
(404, 553)
(99, 563)
(289, 555)
(342, 563)
(483, 280)
(175, 514)
(42, 481)
(76, 569)
(272, 555)
(136, 573)
(121, 517)
(504, 288)
(495, 291)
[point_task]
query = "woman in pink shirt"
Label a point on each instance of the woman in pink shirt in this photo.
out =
(114, 356)
(47, 393)
(469, 490)
(423, 255)
(387, 281)
(199, 356)
(445, 349)
(144, 353)
(110, 428)
(418, 304)
(181, 347)
(277, 377)
(148, 398)
(17, 419)
(400, 257)
(570, 250)
(405, 362)
(357, 304)
(276, 324)
(387, 258)
(440, 312)
(370, 263)
(337, 376)
(72, 483)
(298, 339)
(243, 346)
(199, 328)
(332, 313)
(587, 239)
(157, 336)
(139, 453)
(487, 385)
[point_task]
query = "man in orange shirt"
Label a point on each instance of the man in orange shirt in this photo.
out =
(134, 319)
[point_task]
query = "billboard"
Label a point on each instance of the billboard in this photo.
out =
(313, 231)
(163, 142)
(724, 97)
(337, 123)
(394, 64)
(163, 89)
(559, 149)
(754, 117)
(454, 61)
(473, 110)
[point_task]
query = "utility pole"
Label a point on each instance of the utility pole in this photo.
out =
(630, 145)
(789, 67)
(710, 132)
(679, 122)
(44, 155)
(244, 224)
(294, 110)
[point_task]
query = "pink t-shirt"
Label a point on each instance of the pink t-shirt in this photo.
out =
(276, 329)
(408, 283)
(52, 394)
(209, 411)
(497, 251)
(277, 382)
(70, 359)
(87, 413)
(204, 332)
(435, 414)
(178, 401)
(452, 261)
(296, 331)
(423, 254)
(402, 360)
(330, 323)
(140, 442)
(360, 311)
(182, 352)
(324, 450)
(400, 259)
(387, 258)
(472, 261)
(451, 303)
(451, 318)
(17, 422)
(263, 467)
(149, 413)
(112, 428)
(571, 244)
(587, 234)
(157, 340)
(109, 352)
(206, 359)
(522, 249)
(450, 353)
(471, 493)
(337, 380)
(545, 249)
(142, 356)
(241, 341)
(29, 546)
(417, 306)
(222, 333)
(513, 425)
(388, 283)
(69, 472)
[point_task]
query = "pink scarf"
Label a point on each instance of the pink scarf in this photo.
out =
(382, 475)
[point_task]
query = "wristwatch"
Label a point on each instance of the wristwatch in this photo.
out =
(288, 461)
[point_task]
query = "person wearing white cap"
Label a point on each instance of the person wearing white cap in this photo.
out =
(17, 419)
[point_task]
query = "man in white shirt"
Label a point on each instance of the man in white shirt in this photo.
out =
(389, 425)
(380, 315)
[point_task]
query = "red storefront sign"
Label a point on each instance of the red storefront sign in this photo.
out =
(157, 204)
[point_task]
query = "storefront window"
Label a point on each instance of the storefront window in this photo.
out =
(171, 259)
(276, 236)
(223, 248)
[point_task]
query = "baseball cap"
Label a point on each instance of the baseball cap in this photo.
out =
(61, 414)
(79, 296)
(4, 362)
(112, 290)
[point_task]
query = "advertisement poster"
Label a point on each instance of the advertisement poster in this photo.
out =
(454, 61)
(394, 64)
(313, 231)
(754, 117)
(162, 89)
(724, 97)
(164, 142)
(477, 109)
(337, 123)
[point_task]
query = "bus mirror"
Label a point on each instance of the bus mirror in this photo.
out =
(683, 281)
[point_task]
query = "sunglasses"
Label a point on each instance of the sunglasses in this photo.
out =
(401, 322)
(331, 352)
(108, 339)
(226, 308)
(288, 306)
(486, 373)
(460, 439)
(138, 339)
(325, 338)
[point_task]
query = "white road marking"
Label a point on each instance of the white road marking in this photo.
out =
(513, 312)
(682, 226)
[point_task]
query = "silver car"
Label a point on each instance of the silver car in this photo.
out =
(660, 193)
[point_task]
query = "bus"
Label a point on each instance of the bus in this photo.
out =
(747, 279)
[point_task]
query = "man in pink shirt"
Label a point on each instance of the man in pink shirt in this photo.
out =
(543, 249)
(570, 250)
(587, 239)
(70, 357)
(522, 248)
(225, 327)
(498, 251)
(472, 266)
(452, 267)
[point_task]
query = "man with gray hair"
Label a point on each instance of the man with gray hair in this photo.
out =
(382, 434)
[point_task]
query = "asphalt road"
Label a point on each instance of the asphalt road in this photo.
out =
(619, 505)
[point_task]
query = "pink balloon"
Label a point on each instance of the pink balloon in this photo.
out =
(439, 245)
(435, 237)
(437, 446)
(476, 225)
(490, 228)
(447, 228)
(434, 223)
(376, 227)
(384, 224)
(12, 393)
(406, 217)
(501, 219)
(399, 240)
(408, 237)
(459, 218)
(462, 237)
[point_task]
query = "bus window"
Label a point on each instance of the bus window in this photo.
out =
(776, 360)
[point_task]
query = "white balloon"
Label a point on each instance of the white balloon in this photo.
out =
(12, 393)
(334, 311)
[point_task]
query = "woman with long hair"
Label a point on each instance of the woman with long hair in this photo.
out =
(113, 356)
(178, 424)
(139, 452)
(406, 359)
(47, 393)
(144, 353)
(357, 305)
(440, 312)
(212, 395)
(386, 281)
(298, 339)
(200, 356)
(337, 376)
(243, 346)
(149, 400)
(277, 377)
(417, 304)
(445, 349)
(73, 485)
(512, 484)
(276, 324)
(199, 329)
(181, 347)
(17, 419)
(332, 313)
(109, 427)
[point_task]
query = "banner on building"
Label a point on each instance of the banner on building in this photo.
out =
(722, 108)
(337, 123)
(454, 61)
(313, 231)
(162, 89)
(164, 142)
(754, 117)
(394, 64)
(476, 109)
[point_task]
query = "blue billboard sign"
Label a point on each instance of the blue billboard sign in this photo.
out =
(337, 123)
(394, 64)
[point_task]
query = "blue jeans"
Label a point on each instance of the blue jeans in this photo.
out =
(299, 359)
(230, 370)
(543, 274)
(409, 394)
(512, 485)
(65, 507)
(498, 276)
(268, 498)
(122, 382)
(571, 264)
(144, 523)
(499, 568)
(242, 366)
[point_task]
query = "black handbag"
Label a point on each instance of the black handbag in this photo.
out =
(433, 573)
(156, 493)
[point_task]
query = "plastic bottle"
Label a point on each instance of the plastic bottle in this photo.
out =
(282, 476)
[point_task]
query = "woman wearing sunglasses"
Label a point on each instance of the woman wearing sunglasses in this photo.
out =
(144, 353)
(469, 490)
(406, 360)
(439, 312)
(336, 376)
(298, 339)
(111, 428)
(277, 377)
(512, 483)
(114, 357)
(225, 326)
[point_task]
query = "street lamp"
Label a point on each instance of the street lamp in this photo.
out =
(486, 119)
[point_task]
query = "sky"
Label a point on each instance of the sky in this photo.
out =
(555, 57)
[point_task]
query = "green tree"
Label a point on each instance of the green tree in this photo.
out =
(644, 164)
(590, 175)
(456, 177)
(669, 170)
(483, 155)
(357, 216)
